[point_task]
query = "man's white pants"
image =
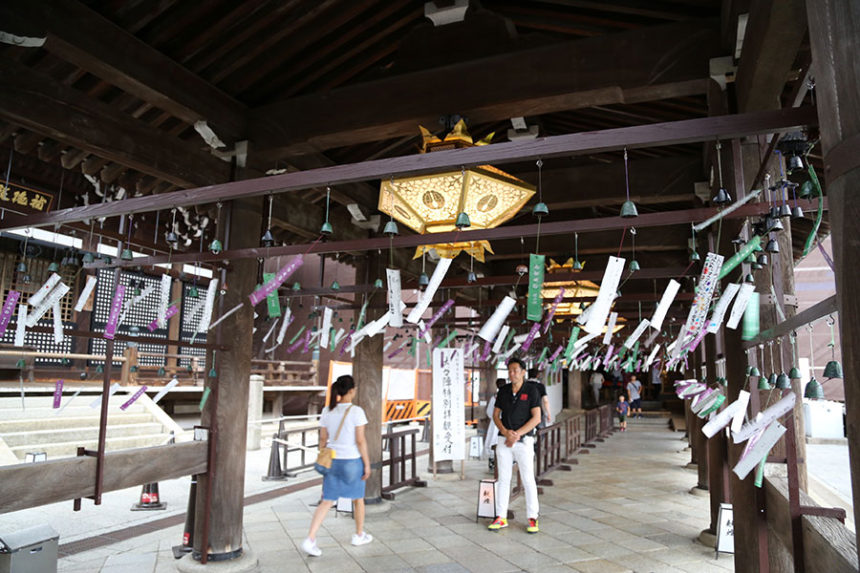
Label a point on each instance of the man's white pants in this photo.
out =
(523, 452)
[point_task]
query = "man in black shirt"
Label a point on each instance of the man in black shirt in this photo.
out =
(517, 414)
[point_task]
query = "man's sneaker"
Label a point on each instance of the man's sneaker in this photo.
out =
(309, 546)
(363, 539)
(533, 526)
(498, 524)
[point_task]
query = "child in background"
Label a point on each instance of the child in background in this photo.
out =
(622, 407)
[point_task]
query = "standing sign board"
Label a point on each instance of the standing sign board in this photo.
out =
(487, 498)
(449, 416)
(725, 530)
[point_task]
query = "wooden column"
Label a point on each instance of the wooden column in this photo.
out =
(574, 389)
(221, 492)
(834, 32)
(367, 371)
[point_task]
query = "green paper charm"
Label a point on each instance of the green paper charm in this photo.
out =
(272, 303)
(534, 309)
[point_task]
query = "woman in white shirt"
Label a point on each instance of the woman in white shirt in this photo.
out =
(350, 467)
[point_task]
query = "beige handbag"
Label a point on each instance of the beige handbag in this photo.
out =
(326, 455)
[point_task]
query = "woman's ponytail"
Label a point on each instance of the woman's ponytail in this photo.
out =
(339, 388)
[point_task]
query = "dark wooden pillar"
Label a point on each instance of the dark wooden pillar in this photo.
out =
(574, 389)
(220, 493)
(834, 32)
(367, 371)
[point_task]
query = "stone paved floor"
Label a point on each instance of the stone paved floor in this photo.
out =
(624, 507)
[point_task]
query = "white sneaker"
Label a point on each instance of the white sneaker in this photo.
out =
(309, 546)
(362, 539)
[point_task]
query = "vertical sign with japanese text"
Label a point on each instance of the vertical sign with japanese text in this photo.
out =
(449, 415)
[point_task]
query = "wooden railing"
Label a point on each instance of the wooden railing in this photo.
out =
(606, 422)
(402, 461)
(285, 372)
(551, 449)
(591, 426)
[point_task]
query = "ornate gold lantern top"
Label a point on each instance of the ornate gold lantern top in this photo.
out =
(432, 203)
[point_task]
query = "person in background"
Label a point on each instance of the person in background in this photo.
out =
(516, 415)
(622, 407)
(656, 381)
(492, 430)
(634, 391)
(546, 416)
(596, 384)
(350, 467)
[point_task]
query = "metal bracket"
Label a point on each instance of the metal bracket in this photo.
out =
(787, 300)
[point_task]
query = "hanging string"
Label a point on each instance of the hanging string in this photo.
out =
(540, 200)
(626, 175)
(832, 344)
(8, 174)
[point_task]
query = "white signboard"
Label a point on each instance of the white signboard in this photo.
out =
(449, 415)
(487, 498)
(726, 529)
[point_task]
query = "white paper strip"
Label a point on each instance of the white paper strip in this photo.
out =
(271, 330)
(580, 344)
(768, 439)
(738, 419)
(36, 314)
(438, 274)
(161, 393)
(776, 411)
(98, 401)
(726, 415)
(286, 320)
(209, 306)
(500, 339)
(338, 336)
(21, 325)
(225, 315)
(85, 294)
(43, 291)
(721, 307)
(58, 324)
(133, 301)
(163, 299)
(741, 302)
(514, 347)
(665, 302)
(376, 326)
(610, 328)
(423, 328)
(585, 314)
(491, 328)
(326, 326)
(702, 302)
(631, 340)
(650, 340)
(394, 297)
(651, 357)
(608, 290)
(67, 402)
(520, 338)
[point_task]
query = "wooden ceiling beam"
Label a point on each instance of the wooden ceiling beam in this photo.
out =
(69, 116)
(655, 135)
(86, 39)
(639, 65)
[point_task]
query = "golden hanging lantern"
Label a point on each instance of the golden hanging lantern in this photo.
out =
(435, 203)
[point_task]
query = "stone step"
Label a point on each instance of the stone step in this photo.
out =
(50, 420)
(69, 449)
(77, 409)
(61, 435)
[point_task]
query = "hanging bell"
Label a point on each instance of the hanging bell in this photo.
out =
(88, 258)
(634, 266)
(463, 221)
(215, 247)
(65, 362)
(171, 238)
(423, 280)
(522, 269)
(761, 260)
(22, 267)
(813, 390)
(784, 210)
(783, 382)
(326, 229)
(126, 255)
(748, 278)
(471, 277)
(100, 369)
(267, 240)
(390, 229)
(795, 162)
(797, 213)
(213, 373)
(754, 371)
(750, 258)
(577, 265)
(335, 285)
(772, 246)
(540, 210)
(722, 197)
(763, 384)
(193, 292)
(378, 284)
(794, 373)
(833, 370)
(695, 257)
(134, 368)
(107, 260)
(53, 267)
(161, 371)
(21, 363)
(629, 210)
(774, 212)
(774, 224)
(805, 190)
(297, 286)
